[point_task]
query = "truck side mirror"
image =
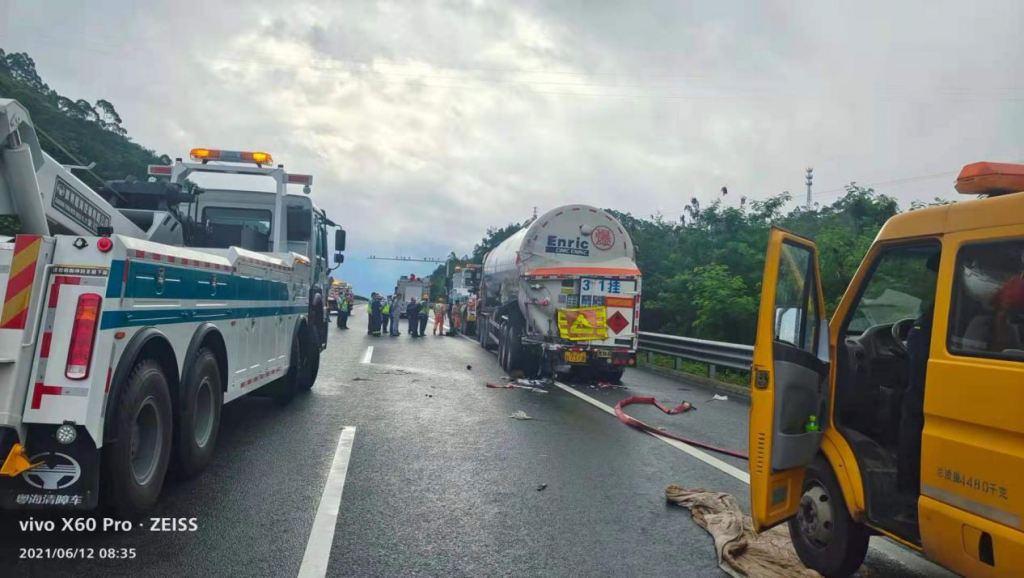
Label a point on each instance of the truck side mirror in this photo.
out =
(339, 240)
(339, 258)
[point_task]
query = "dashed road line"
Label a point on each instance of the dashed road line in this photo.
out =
(368, 355)
(321, 535)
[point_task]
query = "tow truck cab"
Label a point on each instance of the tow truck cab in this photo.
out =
(917, 385)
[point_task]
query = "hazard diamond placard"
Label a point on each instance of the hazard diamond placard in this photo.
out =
(617, 322)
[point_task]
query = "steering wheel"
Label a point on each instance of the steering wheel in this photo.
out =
(900, 331)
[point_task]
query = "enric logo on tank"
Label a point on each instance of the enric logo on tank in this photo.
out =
(565, 246)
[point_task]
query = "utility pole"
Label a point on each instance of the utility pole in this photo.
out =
(810, 179)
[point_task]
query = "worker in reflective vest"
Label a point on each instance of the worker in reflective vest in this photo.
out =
(386, 315)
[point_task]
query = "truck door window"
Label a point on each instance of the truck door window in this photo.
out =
(901, 286)
(796, 309)
(987, 310)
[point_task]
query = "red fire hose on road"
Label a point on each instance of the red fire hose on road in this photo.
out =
(685, 406)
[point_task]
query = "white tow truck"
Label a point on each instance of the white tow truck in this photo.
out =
(131, 315)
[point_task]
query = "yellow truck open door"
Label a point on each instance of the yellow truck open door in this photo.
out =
(789, 378)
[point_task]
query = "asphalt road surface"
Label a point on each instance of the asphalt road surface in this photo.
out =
(435, 479)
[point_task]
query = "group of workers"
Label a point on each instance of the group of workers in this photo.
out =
(385, 312)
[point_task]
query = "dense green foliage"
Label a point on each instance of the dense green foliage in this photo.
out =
(90, 132)
(702, 274)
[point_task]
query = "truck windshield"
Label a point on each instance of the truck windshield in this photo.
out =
(229, 226)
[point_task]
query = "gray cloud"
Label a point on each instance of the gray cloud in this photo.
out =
(424, 123)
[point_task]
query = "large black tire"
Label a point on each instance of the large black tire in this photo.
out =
(134, 466)
(312, 368)
(514, 348)
(610, 375)
(196, 433)
(824, 535)
(503, 346)
(290, 384)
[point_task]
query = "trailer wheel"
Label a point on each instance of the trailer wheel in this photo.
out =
(308, 377)
(503, 346)
(196, 435)
(484, 336)
(514, 348)
(135, 465)
(824, 535)
(611, 375)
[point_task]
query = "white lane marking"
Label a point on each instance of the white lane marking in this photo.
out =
(321, 536)
(368, 355)
(700, 455)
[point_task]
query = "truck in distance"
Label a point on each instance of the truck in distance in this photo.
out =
(410, 286)
(562, 295)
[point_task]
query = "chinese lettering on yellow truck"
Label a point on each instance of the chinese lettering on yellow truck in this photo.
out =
(904, 415)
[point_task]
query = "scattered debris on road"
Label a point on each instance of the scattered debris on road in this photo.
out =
(469, 367)
(514, 385)
(361, 379)
(742, 552)
(542, 487)
(719, 398)
(520, 415)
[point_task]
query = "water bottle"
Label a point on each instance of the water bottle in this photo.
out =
(812, 424)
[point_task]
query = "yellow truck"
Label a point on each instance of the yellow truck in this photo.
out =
(904, 415)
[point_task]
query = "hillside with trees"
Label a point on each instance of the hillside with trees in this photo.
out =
(87, 132)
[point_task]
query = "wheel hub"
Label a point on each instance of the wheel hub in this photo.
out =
(203, 421)
(146, 442)
(815, 516)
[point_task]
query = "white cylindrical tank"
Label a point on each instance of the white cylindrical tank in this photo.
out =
(567, 240)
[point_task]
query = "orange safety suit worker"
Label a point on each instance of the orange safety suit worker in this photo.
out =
(439, 310)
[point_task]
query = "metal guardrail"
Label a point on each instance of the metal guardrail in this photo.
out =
(713, 353)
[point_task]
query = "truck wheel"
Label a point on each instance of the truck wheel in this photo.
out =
(503, 346)
(312, 367)
(134, 466)
(514, 348)
(500, 348)
(824, 535)
(297, 361)
(611, 375)
(485, 335)
(196, 435)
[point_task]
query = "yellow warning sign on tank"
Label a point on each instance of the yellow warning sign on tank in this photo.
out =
(583, 323)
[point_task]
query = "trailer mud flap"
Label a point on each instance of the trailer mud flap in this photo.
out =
(68, 476)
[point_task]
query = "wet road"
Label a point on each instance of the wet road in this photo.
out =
(440, 480)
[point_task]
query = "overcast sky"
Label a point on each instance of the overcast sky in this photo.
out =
(424, 123)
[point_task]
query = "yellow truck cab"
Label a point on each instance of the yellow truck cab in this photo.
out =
(904, 415)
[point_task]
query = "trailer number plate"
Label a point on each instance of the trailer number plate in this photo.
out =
(575, 356)
(602, 353)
